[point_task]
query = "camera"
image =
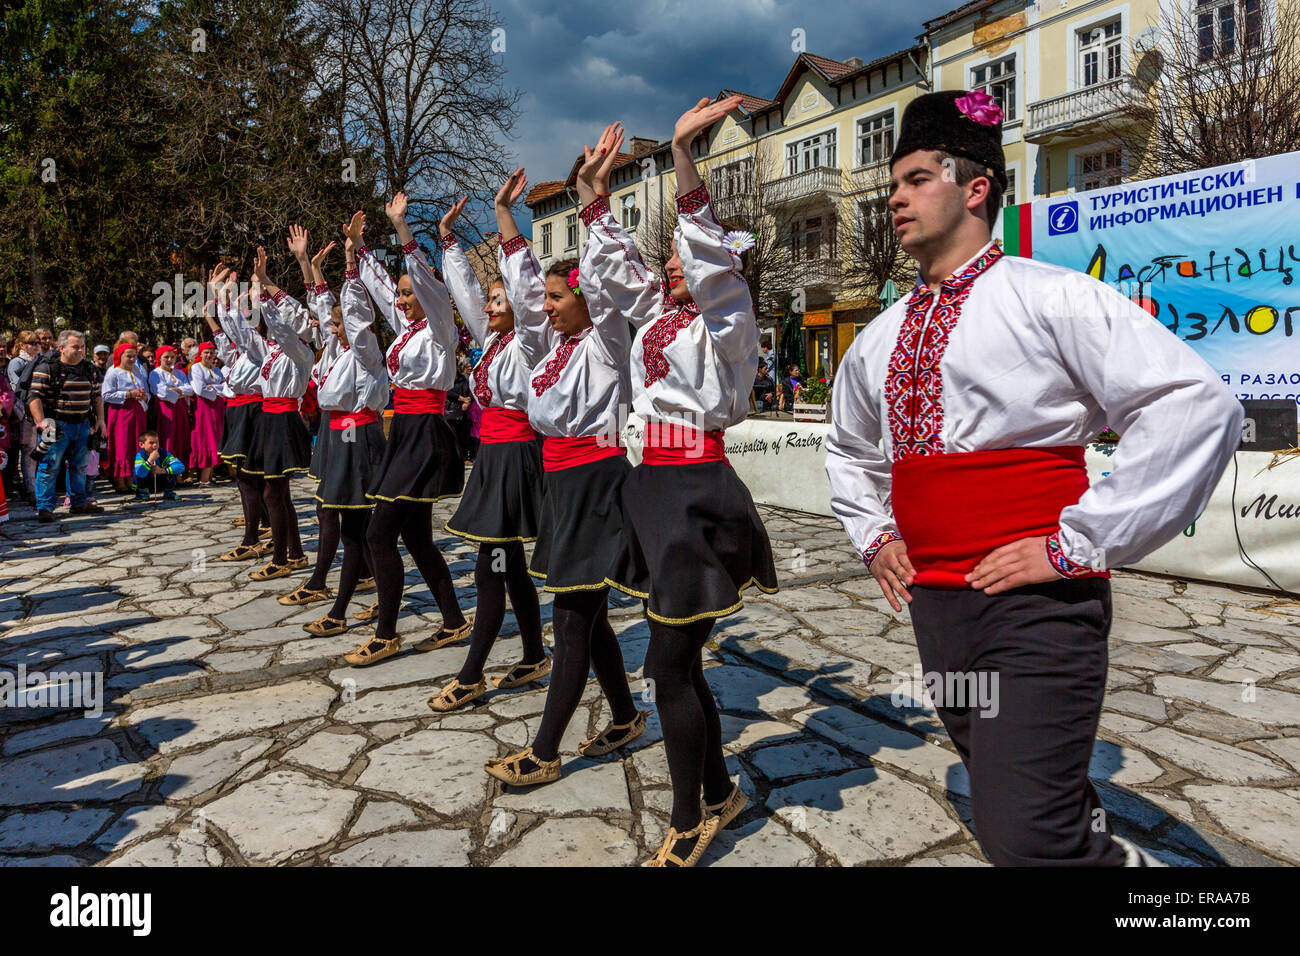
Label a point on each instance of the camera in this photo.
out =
(48, 437)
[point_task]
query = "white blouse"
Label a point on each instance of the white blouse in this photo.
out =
(1029, 355)
(171, 386)
(242, 370)
(693, 364)
(119, 381)
(580, 383)
(209, 383)
(501, 377)
(355, 377)
(424, 353)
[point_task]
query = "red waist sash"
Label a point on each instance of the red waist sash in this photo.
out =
(500, 425)
(954, 509)
(279, 406)
(339, 421)
(418, 401)
(252, 398)
(561, 453)
(668, 444)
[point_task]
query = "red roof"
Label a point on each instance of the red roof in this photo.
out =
(833, 69)
(542, 191)
(951, 15)
(748, 101)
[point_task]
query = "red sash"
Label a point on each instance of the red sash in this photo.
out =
(279, 406)
(252, 398)
(341, 420)
(668, 444)
(418, 401)
(502, 425)
(953, 509)
(561, 453)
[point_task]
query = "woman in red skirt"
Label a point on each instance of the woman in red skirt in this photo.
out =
(208, 383)
(171, 386)
(126, 394)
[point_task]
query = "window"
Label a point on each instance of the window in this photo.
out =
(810, 153)
(546, 239)
(1101, 51)
(812, 237)
(629, 215)
(733, 179)
(1009, 195)
(1219, 21)
(998, 80)
(875, 139)
(1103, 168)
(571, 231)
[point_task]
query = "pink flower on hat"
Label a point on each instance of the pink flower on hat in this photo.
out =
(979, 107)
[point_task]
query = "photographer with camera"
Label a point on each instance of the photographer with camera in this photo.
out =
(63, 403)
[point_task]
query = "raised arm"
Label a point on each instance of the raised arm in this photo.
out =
(428, 288)
(521, 274)
(462, 281)
(359, 316)
(374, 276)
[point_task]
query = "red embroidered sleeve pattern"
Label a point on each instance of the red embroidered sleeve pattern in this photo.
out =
(395, 353)
(309, 286)
(321, 288)
(483, 391)
(873, 549)
(280, 296)
(511, 246)
(914, 382)
(1061, 564)
(594, 210)
(270, 360)
(661, 335)
(693, 201)
(551, 373)
(410, 247)
(351, 273)
(449, 240)
(363, 251)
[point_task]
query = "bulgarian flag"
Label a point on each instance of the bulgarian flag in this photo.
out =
(1018, 231)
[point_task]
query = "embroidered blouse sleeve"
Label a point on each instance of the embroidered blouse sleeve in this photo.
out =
(1179, 423)
(620, 278)
(714, 278)
(382, 289)
(285, 331)
(526, 290)
(358, 317)
(116, 384)
(433, 298)
(610, 327)
(858, 469)
(463, 284)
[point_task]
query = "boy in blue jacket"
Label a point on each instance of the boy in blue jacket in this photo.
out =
(155, 466)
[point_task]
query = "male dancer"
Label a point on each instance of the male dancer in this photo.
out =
(984, 385)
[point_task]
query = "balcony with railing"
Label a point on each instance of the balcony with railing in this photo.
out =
(1075, 114)
(820, 183)
(821, 274)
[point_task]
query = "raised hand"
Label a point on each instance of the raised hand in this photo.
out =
(319, 259)
(511, 189)
(599, 162)
(701, 116)
(259, 266)
(355, 227)
(397, 208)
(447, 224)
(349, 250)
(217, 277)
(298, 242)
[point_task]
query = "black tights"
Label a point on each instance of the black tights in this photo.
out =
(689, 717)
(284, 520)
(501, 567)
(250, 497)
(583, 641)
(412, 522)
(328, 521)
(353, 524)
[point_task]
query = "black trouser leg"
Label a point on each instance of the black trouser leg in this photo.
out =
(284, 523)
(327, 545)
(352, 529)
(386, 562)
(250, 497)
(583, 640)
(417, 535)
(499, 567)
(689, 717)
(1018, 680)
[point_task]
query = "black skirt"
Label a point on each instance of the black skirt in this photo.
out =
(281, 445)
(581, 522)
(692, 541)
(503, 494)
(344, 470)
(421, 461)
(237, 436)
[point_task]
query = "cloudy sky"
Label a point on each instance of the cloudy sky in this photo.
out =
(582, 64)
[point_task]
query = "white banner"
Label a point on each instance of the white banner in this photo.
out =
(1248, 534)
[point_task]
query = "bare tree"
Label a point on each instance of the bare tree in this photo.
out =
(874, 252)
(1220, 88)
(419, 92)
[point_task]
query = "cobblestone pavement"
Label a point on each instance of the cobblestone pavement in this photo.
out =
(229, 735)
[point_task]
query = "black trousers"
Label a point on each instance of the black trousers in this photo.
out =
(1025, 723)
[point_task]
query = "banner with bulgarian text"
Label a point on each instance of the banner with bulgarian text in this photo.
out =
(1214, 255)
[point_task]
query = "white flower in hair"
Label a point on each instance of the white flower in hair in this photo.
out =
(739, 241)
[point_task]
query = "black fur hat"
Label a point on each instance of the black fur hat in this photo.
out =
(956, 122)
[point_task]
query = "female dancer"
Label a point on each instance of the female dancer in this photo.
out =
(352, 389)
(208, 383)
(421, 463)
(126, 394)
(173, 389)
(502, 501)
(579, 388)
(692, 540)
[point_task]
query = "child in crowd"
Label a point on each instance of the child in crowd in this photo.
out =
(155, 465)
